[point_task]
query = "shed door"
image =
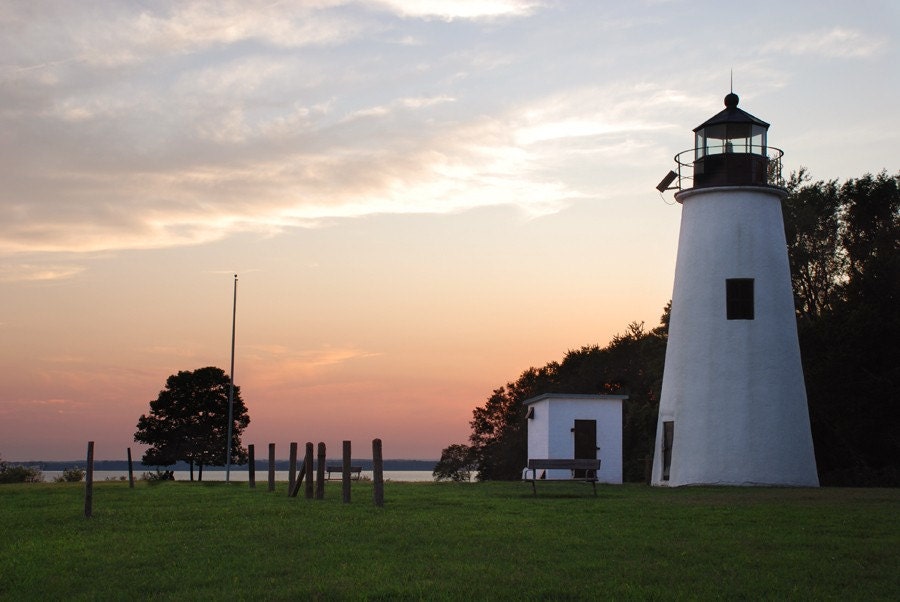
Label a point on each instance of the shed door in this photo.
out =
(585, 441)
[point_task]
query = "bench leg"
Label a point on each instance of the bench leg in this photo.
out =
(532, 479)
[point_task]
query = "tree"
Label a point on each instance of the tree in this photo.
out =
(849, 345)
(632, 363)
(456, 464)
(189, 421)
(812, 223)
(499, 435)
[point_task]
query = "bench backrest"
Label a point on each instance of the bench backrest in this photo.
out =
(563, 464)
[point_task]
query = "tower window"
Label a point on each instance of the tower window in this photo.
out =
(739, 298)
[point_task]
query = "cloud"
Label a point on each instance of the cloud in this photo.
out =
(603, 129)
(230, 120)
(116, 35)
(394, 105)
(56, 405)
(179, 124)
(26, 272)
(407, 155)
(250, 177)
(581, 128)
(837, 42)
(275, 366)
(461, 9)
(185, 350)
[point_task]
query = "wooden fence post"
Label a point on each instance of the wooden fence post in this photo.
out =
(130, 470)
(251, 466)
(378, 472)
(89, 482)
(308, 466)
(271, 467)
(320, 473)
(293, 491)
(292, 468)
(345, 473)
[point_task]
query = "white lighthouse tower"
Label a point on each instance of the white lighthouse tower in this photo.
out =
(733, 406)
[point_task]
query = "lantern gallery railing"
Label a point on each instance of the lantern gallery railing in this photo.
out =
(726, 165)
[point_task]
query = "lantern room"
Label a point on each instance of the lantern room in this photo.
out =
(730, 149)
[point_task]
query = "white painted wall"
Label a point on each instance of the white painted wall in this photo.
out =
(734, 388)
(550, 431)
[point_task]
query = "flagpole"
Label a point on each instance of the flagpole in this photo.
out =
(231, 387)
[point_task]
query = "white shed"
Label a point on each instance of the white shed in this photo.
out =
(577, 426)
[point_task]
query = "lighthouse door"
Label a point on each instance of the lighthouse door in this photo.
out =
(668, 438)
(585, 442)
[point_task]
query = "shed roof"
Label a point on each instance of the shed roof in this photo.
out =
(573, 396)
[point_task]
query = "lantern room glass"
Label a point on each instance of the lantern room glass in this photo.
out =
(724, 138)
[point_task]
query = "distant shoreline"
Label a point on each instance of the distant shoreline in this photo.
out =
(261, 465)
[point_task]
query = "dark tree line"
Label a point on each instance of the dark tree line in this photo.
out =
(632, 363)
(843, 248)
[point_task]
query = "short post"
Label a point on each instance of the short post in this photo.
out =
(308, 467)
(292, 468)
(251, 465)
(320, 473)
(130, 470)
(271, 467)
(345, 473)
(89, 482)
(378, 472)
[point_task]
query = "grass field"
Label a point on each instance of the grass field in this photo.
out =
(486, 541)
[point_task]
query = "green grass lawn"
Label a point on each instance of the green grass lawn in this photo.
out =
(485, 541)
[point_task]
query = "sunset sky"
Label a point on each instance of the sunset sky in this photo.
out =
(421, 198)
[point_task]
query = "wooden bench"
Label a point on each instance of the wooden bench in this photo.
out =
(354, 470)
(588, 466)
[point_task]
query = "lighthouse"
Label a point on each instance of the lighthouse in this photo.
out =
(733, 406)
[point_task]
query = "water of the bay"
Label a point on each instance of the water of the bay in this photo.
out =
(262, 476)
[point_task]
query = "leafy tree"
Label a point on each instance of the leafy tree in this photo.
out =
(632, 363)
(189, 421)
(812, 221)
(456, 464)
(849, 345)
(499, 434)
